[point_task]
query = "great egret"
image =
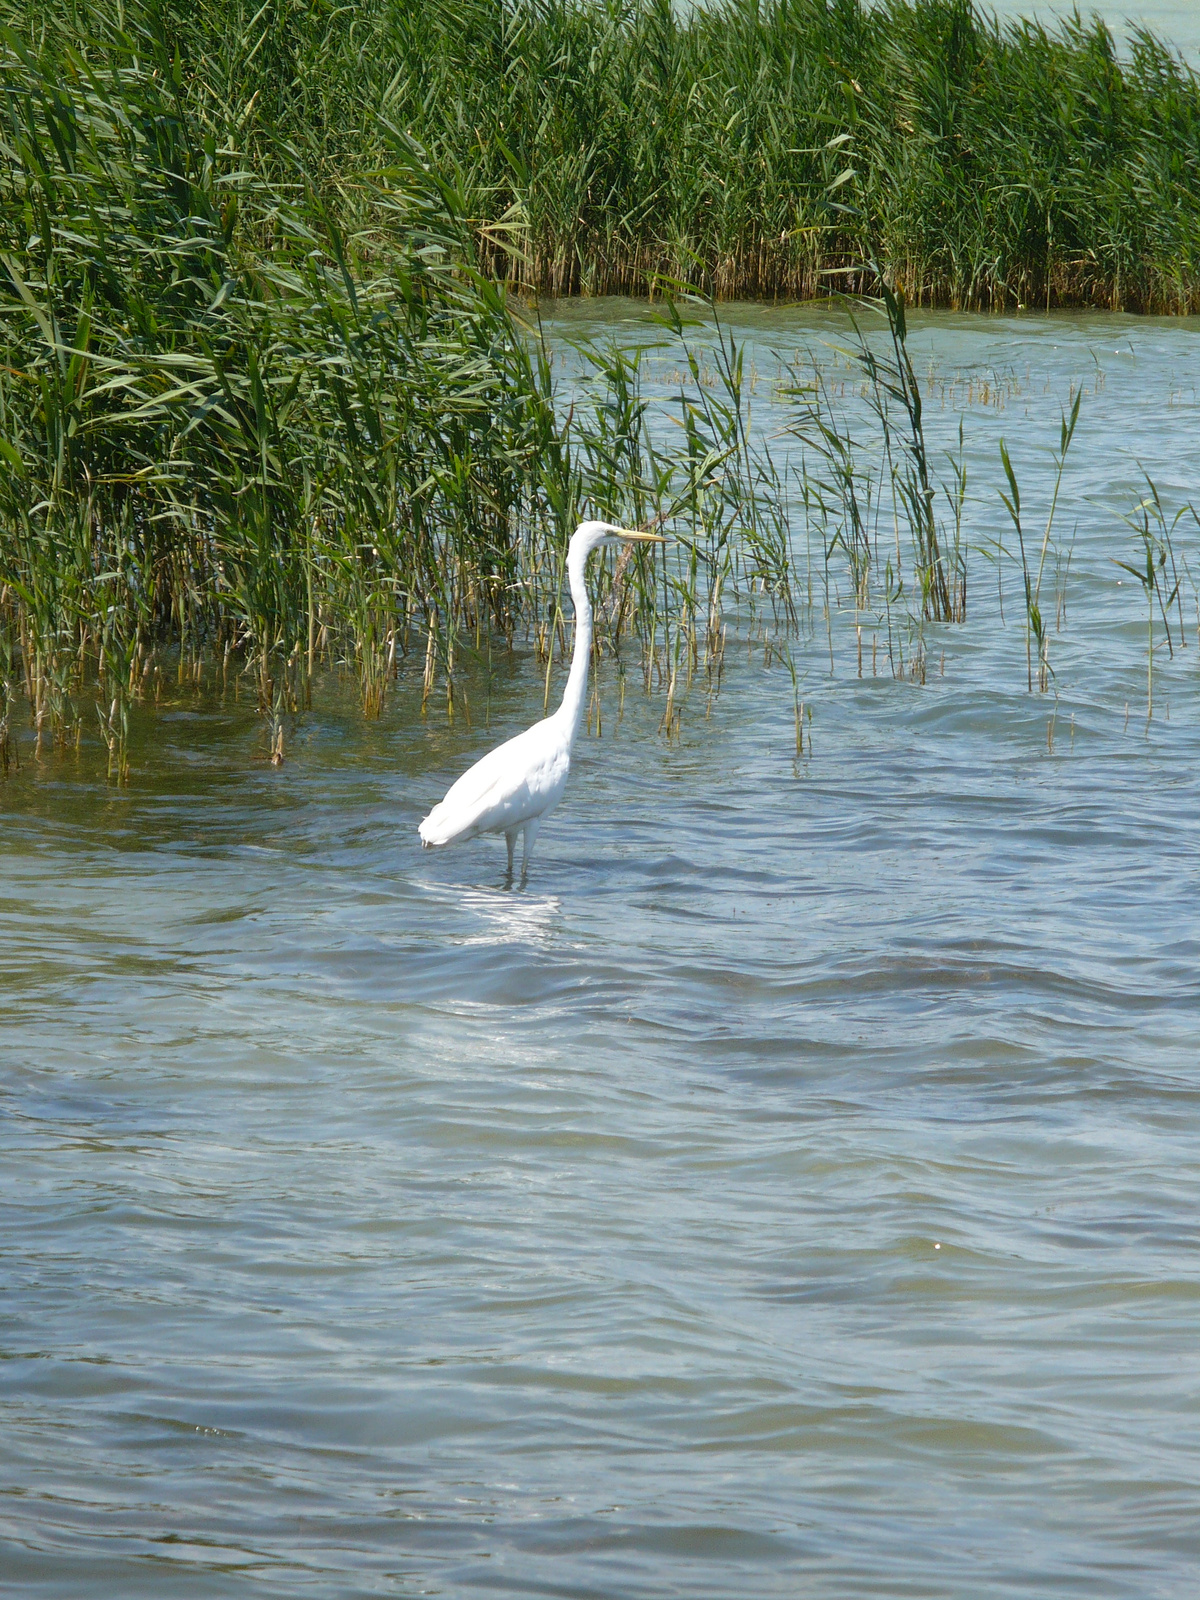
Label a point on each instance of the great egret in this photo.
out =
(519, 783)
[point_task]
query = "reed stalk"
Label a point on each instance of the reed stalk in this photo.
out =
(1156, 535)
(1035, 625)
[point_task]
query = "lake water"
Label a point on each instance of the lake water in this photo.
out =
(794, 1190)
(1176, 22)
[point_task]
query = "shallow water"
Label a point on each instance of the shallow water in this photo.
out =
(793, 1190)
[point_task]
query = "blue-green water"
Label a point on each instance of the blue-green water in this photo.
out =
(1175, 22)
(792, 1191)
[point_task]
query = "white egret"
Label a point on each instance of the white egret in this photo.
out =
(514, 787)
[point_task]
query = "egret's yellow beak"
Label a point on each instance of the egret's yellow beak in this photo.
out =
(637, 533)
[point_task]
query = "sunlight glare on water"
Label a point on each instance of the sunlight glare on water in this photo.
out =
(794, 1190)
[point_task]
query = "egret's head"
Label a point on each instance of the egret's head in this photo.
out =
(589, 536)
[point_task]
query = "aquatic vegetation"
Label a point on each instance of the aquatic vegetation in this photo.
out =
(1035, 626)
(218, 412)
(942, 575)
(239, 436)
(266, 410)
(847, 483)
(1149, 520)
(598, 146)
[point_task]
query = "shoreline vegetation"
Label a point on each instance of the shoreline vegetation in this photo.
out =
(766, 149)
(267, 407)
(255, 422)
(758, 149)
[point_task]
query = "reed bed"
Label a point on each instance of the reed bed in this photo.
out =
(267, 407)
(756, 148)
(238, 434)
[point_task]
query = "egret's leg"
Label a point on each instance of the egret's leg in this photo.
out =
(528, 834)
(510, 839)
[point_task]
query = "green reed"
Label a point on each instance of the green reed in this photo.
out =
(1158, 573)
(846, 483)
(248, 421)
(1035, 624)
(995, 165)
(895, 392)
(266, 407)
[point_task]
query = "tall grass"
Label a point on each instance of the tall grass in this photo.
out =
(992, 164)
(265, 405)
(1036, 631)
(267, 413)
(1157, 569)
(228, 423)
(856, 490)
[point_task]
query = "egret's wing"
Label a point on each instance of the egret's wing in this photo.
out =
(506, 787)
(488, 783)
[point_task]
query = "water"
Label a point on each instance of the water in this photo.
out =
(793, 1190)
(1175, 21)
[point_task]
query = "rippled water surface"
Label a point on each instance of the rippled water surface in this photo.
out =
(793, 1190)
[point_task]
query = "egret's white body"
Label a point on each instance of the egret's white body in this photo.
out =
(516, 786)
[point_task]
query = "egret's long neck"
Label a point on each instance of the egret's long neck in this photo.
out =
(571, 710)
